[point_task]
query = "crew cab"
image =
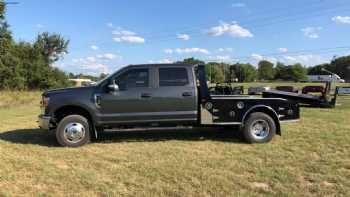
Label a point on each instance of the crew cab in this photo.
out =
(162, 95)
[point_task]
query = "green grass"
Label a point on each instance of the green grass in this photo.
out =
(9, 99)
(312, 158)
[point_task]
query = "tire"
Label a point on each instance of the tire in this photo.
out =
(73, 131)
(259, 128)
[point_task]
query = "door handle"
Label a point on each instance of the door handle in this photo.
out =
(146, 95)
(187, 94)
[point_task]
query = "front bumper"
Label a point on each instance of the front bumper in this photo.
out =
(44, 122)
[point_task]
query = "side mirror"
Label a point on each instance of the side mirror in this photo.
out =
(113, 87)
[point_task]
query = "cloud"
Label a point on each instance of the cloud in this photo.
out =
(222, 57)
(257, 57)
(191, 50)
(39, 26)
(168, 51)
(305, 59)
(108, 56)
(110, 25)
(341, 19)
(225, 49)
(232, 29)
(130, 39)
(238, 5)
(94, 47)
(283, 50)
(311, 32)
(88, 65)
(91, 59)
(183, 36)
(289, 58)
(122, 35)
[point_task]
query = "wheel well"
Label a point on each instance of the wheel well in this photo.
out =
(71, 110)
(269, 112)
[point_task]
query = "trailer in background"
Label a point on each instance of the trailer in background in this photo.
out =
(325, 78)
(325, 100)
(343, 90)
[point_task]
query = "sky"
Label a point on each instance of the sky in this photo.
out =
(107, 35)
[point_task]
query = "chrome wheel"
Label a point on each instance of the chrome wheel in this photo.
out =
(74, 132)
(260, 129)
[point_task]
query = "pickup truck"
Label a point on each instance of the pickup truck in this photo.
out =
(164, 95)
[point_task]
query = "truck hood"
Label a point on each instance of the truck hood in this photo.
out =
(68, 91)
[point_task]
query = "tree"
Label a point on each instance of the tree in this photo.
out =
(280, 70)
(51, 46)
(232, 77)
(2, 10)
(298, 72)
(5, 35)
(294, 72)
(11, 74)
(102, 76)
(245, 72)
(25, 65)
(214, 72)
(191, 61)
(266, 70)
(341, 67)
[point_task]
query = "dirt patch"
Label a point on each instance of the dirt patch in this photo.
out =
(326, 184)
(305, 181)
(62, 165)
(260, 185)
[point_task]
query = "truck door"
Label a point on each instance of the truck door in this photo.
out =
(175, 95)
(133, 101)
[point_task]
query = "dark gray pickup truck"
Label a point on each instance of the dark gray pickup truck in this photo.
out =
(158, 96)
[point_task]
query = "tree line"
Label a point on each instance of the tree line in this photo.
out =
(26, 65)
(268, 71)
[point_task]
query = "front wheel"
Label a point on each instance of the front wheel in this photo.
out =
(259, 128)
(73, 131)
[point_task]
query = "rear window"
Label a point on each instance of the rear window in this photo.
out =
(173, 77)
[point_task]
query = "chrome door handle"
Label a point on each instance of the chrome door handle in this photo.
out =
(187, 94)
(146, 95)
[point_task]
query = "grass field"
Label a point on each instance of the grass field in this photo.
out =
(312, 158)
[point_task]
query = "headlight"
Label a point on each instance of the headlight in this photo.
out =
(44, 102)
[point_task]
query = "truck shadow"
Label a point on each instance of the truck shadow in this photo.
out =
(29, 136)
(42, 138)
(202, 134)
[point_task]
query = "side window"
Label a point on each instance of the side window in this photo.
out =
(134, 78)
(173, 77)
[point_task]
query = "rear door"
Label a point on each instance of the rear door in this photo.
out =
(175, 94)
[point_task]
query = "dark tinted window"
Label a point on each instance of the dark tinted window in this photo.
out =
(133, 79)
(173, 77)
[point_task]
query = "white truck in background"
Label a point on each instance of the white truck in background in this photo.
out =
(325, 78)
